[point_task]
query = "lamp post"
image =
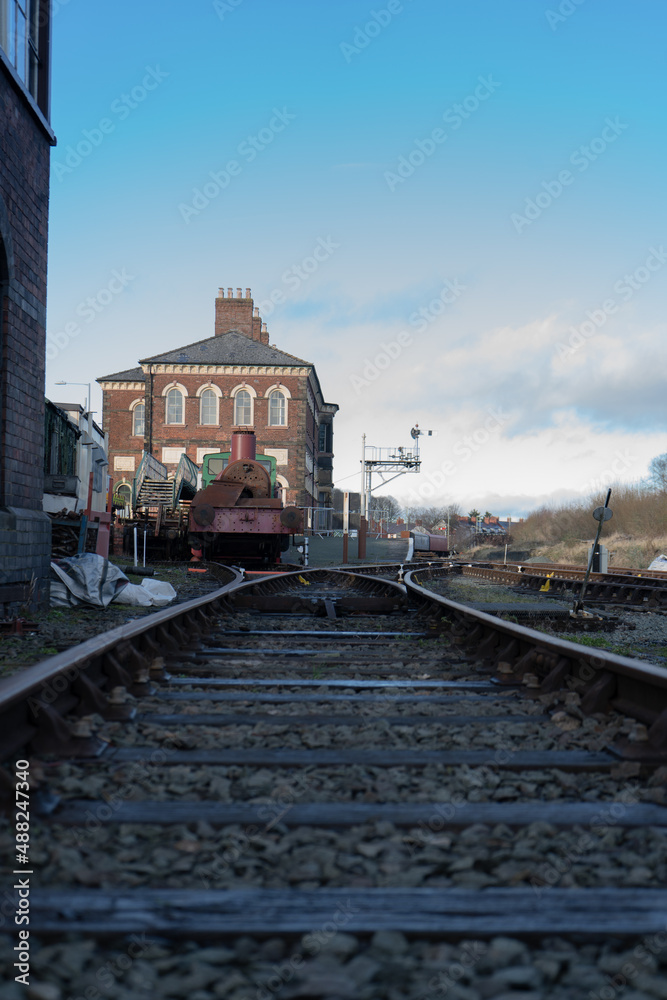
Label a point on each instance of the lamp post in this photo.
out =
(87, 384)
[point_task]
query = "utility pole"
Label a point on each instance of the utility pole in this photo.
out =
(362, 492)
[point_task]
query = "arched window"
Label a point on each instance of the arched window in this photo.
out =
(139, 420)
(277, 409)
(124, 490)
(282, 485)
(208, 407)
(242, 408)
(174, 407)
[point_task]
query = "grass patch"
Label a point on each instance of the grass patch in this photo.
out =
(599, 642)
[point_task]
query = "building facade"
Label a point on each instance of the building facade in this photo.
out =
(25, 142)
(188, 401)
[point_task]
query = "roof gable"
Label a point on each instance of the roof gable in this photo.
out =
(231, 348)
(131, 375)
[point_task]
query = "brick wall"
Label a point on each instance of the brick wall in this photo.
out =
(193, 435)
(24, 198)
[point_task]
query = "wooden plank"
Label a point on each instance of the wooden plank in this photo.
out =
(219, 656)
(323, 634)
(324, 682)
(257, 698)
(303, 604)
(441, 912)
(441, 815)
(210, 719)
(571, 760)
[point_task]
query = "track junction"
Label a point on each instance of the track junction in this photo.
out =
(352, 770)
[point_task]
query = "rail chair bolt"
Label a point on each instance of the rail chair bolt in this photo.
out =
(505, 668)
(118, 695)
(157, 665)
(82, 728)
(572, 699)
(638, 733)
(531, 681)
(142, 676)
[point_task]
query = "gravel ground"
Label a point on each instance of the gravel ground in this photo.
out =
(377, 855)
(349, 783)
(62, 628)
(330, 965)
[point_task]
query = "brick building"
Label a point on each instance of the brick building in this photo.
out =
(25, 141)
(189, 399)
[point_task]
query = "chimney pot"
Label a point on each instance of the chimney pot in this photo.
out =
(247, 293)
(221, 293)
(256, 310)
(264, 328)
(230, 293)
(238, 293)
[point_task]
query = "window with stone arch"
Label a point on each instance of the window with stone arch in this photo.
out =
(277, 409)
(282, 485)
(124, 490)
(208, 407)
(174, 407)
(243, 408)
(138, 419)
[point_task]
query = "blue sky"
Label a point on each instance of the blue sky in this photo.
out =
(499, 167)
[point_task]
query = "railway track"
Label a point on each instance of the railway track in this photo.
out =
(645, 590)
(328, 784)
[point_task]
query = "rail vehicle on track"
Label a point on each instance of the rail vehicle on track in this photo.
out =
(229, 510)
(425, 544)
(239, 515)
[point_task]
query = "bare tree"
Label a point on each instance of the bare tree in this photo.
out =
(385, 507)
(657, 473)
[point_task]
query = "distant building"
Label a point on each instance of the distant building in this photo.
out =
(189, 399)
(25, 142)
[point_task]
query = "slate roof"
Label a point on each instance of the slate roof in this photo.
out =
(228, 349)
(131, 375)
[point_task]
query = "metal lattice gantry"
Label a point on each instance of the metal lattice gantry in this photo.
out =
(392, 462)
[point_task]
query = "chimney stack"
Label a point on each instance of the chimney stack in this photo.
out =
(237, 313)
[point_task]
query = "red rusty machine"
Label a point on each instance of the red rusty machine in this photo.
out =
(237, 517)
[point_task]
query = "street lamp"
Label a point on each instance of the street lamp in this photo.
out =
(80, 383)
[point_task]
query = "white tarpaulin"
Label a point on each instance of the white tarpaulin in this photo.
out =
(150, 593)
(660, 562)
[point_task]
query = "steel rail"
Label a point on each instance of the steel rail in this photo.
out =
(125, 658)
(95, 676)
(655, 574)
(628, 591)
(543, 663)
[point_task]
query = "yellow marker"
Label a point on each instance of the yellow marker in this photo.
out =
(303, 580)
(546, 586)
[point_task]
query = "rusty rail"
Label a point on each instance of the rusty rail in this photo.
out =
(519, 655)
